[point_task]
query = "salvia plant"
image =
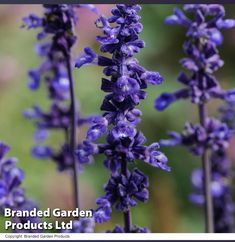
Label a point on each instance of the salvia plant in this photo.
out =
(124, 82)
(208, 139)
(56, 37)
(12, 195)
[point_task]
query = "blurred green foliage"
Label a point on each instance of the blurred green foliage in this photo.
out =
(168, 209)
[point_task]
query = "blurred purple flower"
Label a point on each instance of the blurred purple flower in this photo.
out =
(55, 41)
(215, 136)
(203, 36)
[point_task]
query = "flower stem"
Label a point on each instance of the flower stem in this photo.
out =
(209, 217)
(72, 134)
(127, 213)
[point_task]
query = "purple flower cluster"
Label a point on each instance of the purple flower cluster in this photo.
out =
(56, 29)
(122, 190)
(12, 195)
(56, 39)
(58, 118)
(204, 35)
(214, 136)
(124, 84)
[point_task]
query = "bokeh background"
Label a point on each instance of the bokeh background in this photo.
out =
(169, 209)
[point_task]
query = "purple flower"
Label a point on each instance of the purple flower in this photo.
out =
(32, 21)
(98, 128)
(103, 212)
(164, 100)
(122, 190)
(87, 57)
(156, 158)
(34, 81)
(85, 151)
(33, 112)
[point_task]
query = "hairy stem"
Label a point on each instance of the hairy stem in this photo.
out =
(206, 165)
(127, 214)
(72, 133)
